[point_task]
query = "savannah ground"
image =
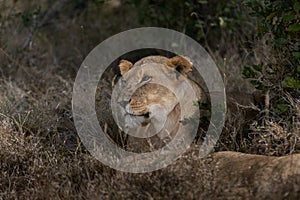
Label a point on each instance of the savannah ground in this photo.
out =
(42, 44)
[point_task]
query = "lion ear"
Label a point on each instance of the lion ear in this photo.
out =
(125, 66)
(182, 64)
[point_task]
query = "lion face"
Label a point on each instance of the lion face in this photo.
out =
(148, 95)
(153, 107)
(154, 94)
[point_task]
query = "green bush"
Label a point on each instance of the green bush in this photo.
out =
(278, 24)
(201, 19)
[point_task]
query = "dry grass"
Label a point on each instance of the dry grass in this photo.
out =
(41, 155)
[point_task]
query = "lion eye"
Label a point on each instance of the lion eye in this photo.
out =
(145, 79)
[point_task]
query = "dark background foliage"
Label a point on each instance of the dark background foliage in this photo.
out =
(255, 44)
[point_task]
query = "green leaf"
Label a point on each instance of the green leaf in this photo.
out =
(248, 73)
(222, 22)
(258, 67)
(202, 1)
(260, 28)
(288, 16)
(281, 108)
(290, 82)
(294, 28)
(281, 41)
(270, 16)
(260, 86)
(254, 82)
(298, 70)
(296, 54)
(297, 7)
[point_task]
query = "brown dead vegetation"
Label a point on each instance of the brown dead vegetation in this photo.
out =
(41, 156)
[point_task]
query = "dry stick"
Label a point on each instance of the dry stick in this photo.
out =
(267, 103)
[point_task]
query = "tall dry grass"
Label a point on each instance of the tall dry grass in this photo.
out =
(41, 156)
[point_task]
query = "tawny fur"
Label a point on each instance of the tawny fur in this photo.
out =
(150, 94)
(152, 59)
(181, 64)
(125, 66)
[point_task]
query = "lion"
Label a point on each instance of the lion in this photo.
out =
(154, 106)
(156, 92)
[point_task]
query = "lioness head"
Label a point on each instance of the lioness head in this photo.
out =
(150, 106)
(154, 94)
